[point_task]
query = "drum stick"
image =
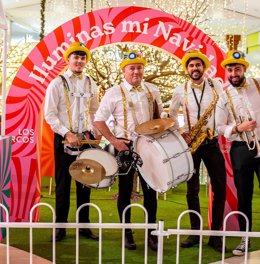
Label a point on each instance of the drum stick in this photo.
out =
(85, 141)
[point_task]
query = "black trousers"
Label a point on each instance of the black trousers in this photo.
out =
(125, 187)
(244, 166)
(214, 161)
(63, 185)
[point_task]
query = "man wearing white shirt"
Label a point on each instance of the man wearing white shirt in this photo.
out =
(70, 103)
(238, 119)
(198, 98)
(130, 103)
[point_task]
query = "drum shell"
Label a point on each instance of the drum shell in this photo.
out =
(167, 160)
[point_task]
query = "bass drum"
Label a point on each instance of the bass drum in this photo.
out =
(167, 160)
(107, 160)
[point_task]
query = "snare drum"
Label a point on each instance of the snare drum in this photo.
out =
(107, 160)
(167, 160)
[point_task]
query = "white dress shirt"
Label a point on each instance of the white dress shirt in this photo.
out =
(246, 100)
(112, 104)
(178, 101)
(56, 108)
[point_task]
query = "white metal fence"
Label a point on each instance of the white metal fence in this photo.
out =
(160, 232)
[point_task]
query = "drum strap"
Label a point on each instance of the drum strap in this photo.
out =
(232, 109)
(126, 98)
(68, 91)
(231, 105)
(125, 111)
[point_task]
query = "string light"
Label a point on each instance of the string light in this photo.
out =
(244, 25)
(162, 69)
(199, 13)
(254, 71)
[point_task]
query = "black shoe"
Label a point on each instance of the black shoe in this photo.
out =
(153, 242)
(129, 241)
(190, 241)
(87, 233)
(216, 243)
(60, 234)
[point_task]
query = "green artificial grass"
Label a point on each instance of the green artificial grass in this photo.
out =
(168, 210)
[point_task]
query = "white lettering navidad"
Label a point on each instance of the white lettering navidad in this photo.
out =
(175, 38)
(41, 73)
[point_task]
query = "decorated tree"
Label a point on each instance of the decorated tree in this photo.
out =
(162, 70)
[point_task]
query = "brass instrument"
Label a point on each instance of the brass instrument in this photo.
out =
(198, 133)
(251, 136)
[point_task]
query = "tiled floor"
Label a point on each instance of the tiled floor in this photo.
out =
(253, 258)
(18, 256)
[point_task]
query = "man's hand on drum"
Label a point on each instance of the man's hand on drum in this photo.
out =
(120, 144)
(72, 140)
(186, 137)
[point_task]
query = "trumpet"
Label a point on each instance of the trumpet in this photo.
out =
(250, 137)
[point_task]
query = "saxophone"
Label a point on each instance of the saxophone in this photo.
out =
(199, 132)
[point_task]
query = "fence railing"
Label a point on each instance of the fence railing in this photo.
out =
(159, 231)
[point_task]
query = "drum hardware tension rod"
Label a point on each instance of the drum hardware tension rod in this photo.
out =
(164, 135)
(176, 155)
(183, 174)
(151, 140)
(178, 177)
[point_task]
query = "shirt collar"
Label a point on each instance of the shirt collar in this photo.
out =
(129, 86)
(70, 73)
(199, 86)
(245, 86)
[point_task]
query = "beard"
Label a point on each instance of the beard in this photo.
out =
(238, 82)
(198, 76)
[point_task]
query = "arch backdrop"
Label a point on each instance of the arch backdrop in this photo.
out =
(98, 28)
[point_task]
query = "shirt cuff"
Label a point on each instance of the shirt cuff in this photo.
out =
(63, 131)
(228, 133)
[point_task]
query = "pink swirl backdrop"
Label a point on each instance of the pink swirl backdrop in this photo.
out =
(26, 94)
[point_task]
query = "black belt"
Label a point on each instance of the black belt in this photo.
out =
(238, 143)
(241, 143)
